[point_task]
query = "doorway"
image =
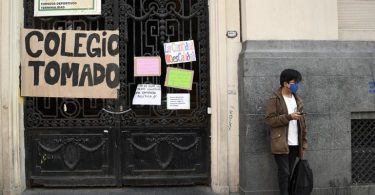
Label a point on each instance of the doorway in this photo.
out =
(110, 142)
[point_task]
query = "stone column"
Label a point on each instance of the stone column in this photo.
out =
(12, 180)
(224, 52)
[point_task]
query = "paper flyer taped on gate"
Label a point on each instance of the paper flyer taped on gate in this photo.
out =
(147, 66)
(178, 101)
(179, 52)
(179, 78)
(147, 94)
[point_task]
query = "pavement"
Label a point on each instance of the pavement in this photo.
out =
(195, 190)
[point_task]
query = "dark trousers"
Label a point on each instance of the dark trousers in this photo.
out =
(285, 163)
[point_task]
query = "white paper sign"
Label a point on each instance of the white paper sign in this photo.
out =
(66, 7)
(147, 94)
(178, 101)
(179, 52)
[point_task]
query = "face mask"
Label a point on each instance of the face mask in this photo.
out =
(293, 87)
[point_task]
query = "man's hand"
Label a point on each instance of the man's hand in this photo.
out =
(296, 115)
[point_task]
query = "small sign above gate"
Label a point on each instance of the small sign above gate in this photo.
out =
(66, 7)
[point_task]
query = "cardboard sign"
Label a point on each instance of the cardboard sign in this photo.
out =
(66, 7)
(179, 52)
(179, 78)
(147, 66)
(147, 94)
(75, 64)
(178, 101)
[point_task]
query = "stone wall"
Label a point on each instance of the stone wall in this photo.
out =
(336, 77)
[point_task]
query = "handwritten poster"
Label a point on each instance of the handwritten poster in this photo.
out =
(178, 101)
(66, 7)
(147, 66)
(147, 94)
(179, 52)
(179, 78)
(75, 64)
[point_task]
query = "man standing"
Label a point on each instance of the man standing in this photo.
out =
(284, 113)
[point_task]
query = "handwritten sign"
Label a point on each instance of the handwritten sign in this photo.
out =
(179, 52)
(66, 7)
(75, 64)
(147, 66)
(178, 101)
(179, 78)
(147, 94)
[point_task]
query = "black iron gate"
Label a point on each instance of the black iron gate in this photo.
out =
(102, 142)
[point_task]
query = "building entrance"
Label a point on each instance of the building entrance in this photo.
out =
(111, 142)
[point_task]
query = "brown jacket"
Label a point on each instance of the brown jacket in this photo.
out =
(277, 117)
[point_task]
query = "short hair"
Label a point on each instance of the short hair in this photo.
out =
(289, 74)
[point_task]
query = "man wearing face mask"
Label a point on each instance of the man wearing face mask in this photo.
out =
(284, 113)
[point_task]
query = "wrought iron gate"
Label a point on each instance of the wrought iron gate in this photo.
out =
(103, 142)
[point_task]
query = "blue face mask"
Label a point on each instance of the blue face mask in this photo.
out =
(294, 87)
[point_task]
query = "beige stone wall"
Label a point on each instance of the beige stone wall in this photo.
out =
(224, 53)
(1, 103)
(289, 19)
(356, 19)
(12, 180)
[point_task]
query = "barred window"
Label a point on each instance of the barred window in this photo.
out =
(363, 151)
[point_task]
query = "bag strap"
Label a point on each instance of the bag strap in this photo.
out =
(300, 141)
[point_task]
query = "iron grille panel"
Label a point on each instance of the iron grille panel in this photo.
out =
(44, 112)
(363, 151)
(74, 142)
(144, 26)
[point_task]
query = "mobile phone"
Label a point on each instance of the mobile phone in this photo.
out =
(302, 113)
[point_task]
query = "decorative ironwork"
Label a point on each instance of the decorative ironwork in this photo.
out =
(42, 112)
(363, 151)
(171, 141)
(164, 154)
(56, 128)
(70, 149)
(144, 26)
(69, 154)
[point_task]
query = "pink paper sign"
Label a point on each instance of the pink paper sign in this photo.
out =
(147, 66)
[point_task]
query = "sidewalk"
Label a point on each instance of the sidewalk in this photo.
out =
(196, 190)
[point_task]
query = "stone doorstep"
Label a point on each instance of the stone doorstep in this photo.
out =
(196, 190)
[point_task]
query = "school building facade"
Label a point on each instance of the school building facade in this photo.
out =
(221, 141)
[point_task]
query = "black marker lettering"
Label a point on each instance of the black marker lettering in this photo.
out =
(115, 69)
(52, 79)
(52, 37)
(36, 65)
(86, 72)
(39, 35)
(78, 45)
